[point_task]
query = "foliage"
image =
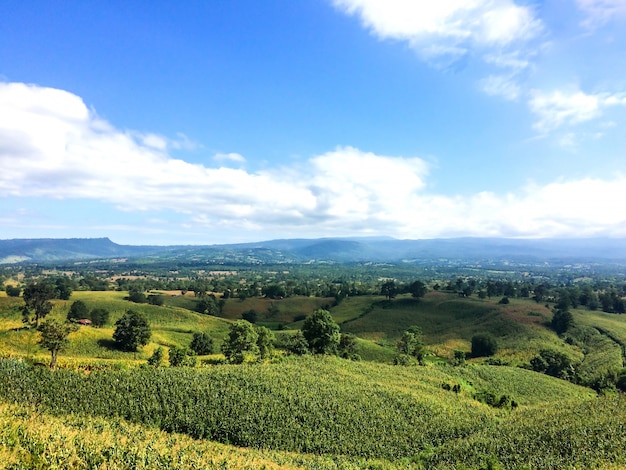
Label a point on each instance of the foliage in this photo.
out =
(13, 291)
(99, 317)
(250, 315)
(410, 344)
(265, 342)
(132, 331)
(484, 345)
(321, 332)
(202, 344)
(553, 363)
(37, 298)
(241, 340)
(348, 348)
(562, 320)
(459, 358)
(181, 357)
(78, 310)
(389, 289)
(297, 344)
(208, 306)
(137, 297)
(155, 299)
(417, 289)
(156, 360)
(54, 338)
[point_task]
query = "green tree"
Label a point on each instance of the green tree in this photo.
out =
(54, 338)
(562, 319)
(265, 342)
(99, 317)
(156, 360)
(78, 310)
(553, 363)
(37, 298)
(321, 332)
(389, 289)
(241, 340)
(297, 344)
(417, 289)
(137, 297)
(63, 287)
(132, 331)
(155, 299)
(202, 344)
(250, 315)
(180, 357)
(410, 344)
(484, 345)
(208, 306)
(13, 291)
(347, 347)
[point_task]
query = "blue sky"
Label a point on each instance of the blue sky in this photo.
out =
(227, 121)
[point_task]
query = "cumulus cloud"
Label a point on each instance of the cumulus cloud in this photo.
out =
(449, 28)
(558, 108)
(232, 157)
(53, 146)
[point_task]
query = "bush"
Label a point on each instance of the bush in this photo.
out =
(202, 344)
(13, 291)
(484, 345)
(179, 357)
(99, 317)
(250, 315)
(155, 299)
(77, 311)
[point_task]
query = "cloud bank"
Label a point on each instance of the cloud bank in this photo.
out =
(53, 146)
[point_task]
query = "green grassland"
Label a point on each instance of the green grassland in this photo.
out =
(313, 412)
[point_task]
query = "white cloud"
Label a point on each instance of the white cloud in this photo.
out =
(232, 157)
(559, 108)
(52, 146)
(447, 27)
(599, 12)
(504, 86)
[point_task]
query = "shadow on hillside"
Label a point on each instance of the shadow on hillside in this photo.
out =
(108, 344)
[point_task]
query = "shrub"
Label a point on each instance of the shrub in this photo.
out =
(202, 344)
(77, 311)
(484, 345)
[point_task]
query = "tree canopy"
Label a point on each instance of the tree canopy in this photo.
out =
(54, 338)
(37, 298)
(241, 340)
(132, 331)
(321, 332)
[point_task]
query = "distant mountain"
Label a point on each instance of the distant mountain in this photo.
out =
(339, 250)
(52, 249)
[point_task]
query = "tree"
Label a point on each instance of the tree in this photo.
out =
(13, 291)
(78, 310)
(155, 299)
(137, 297)
(54, 338)
(250, 315)
(131, 331)
(410, 344)
(389, 289)
(63, 287)
(417, 289)
(347, 347)
(553, 363)
(208, 306)
(561, 320)
(99, 317)
(484, 345)
(37, 298)
(274, 291)
(241, 339)
(180, 357)
(321, 332)
(265, 342)
(201, 344)
(459, 358)
(297, 344)
(156, 360)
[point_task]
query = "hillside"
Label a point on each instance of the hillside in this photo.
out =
(339, 250)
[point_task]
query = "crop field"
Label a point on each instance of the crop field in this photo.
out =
(339, 408)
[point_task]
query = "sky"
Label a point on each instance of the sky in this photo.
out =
(223, 121)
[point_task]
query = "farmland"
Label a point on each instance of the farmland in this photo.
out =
(113, 410)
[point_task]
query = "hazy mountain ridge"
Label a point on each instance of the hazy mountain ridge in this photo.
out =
(330, 249)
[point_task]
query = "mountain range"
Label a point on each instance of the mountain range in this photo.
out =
(338, 250)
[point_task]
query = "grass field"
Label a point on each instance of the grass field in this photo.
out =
(102, 410)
